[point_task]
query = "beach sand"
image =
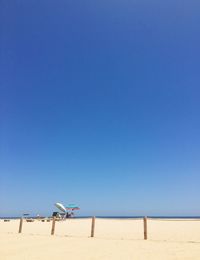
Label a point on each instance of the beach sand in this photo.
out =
(114, 239)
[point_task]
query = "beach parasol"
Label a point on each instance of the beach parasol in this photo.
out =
(72, 207)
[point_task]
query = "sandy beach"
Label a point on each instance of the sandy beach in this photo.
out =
(114, 239)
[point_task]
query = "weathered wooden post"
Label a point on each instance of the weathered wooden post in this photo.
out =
(20, 225)
(53, 226)
(145, 228)
(93, 226)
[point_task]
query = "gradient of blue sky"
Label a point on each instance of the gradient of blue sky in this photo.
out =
(100, 106)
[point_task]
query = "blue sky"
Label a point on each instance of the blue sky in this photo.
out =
(100, 107)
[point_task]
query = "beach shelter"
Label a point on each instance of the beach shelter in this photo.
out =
(71, 208)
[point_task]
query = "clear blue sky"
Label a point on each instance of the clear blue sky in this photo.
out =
(100, 106)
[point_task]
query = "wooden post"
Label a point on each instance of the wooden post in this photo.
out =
(53, 226)
(145, 228)
(92, 227)
(20, 225)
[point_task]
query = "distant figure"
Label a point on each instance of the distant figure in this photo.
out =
(55, 214)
